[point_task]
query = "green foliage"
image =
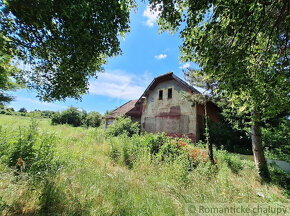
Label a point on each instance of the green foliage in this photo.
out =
(47, 113)
(90, 184)
(223, 136)
(56, 118)
(159, 147)
(108, 112)
(168, 151)
(22, 110)
(6, 111)
(7, 70)
(276, 140)
(46, 34)
(73, 116)
(93, 119)
(123, 125)
(281, 178)
(154, 142)
(30, 151)
(233, 162)
(243, 47)
(114, 153)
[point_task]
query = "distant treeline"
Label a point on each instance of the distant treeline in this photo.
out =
(72, 116)
(24, 112)
(75, 117)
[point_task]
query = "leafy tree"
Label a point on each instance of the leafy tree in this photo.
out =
(276, 139)
(71, 116)
(56, 118)
(6, 71)
(224, 136)
(93, 119)
(244, 46)
(195, 78)
(23, 110)
(64, 42)
(123, 125)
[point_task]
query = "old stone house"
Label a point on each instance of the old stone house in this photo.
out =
(162, 108)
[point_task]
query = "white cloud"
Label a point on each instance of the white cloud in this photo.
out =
(118, 84)
(184, 66)
(161, 56)
(151, 16)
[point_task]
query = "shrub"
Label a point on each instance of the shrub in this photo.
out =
(170, 150)
(71, 116)
(114, 153)
(56, 118)
(123, 125)
(22, 110)
(232, 161)
(222, 135)
(6, 111)
(159, 147)
(32, 152)
(153, 142)
(93, 119)
(47, 113)
(276, 140)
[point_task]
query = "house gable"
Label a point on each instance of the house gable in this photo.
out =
(162, 108)
(175, 115)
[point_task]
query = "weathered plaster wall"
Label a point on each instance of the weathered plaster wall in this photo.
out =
(175, 116)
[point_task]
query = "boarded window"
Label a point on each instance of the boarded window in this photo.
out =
(160, 94)
(169, 93)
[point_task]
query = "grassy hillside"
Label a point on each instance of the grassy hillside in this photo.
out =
(84, 172)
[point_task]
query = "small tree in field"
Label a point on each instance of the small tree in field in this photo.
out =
(23, 110)
(93, 119)
(196, 79)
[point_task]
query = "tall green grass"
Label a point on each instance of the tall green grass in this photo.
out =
(101, 175)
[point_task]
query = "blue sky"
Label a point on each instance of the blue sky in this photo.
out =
(146, 54)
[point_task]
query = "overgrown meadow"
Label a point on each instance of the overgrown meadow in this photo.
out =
(62, 170)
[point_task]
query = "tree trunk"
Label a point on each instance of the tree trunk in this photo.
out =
(258, 152)
(209, 144)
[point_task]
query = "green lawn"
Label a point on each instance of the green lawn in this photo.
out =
(90, 182)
